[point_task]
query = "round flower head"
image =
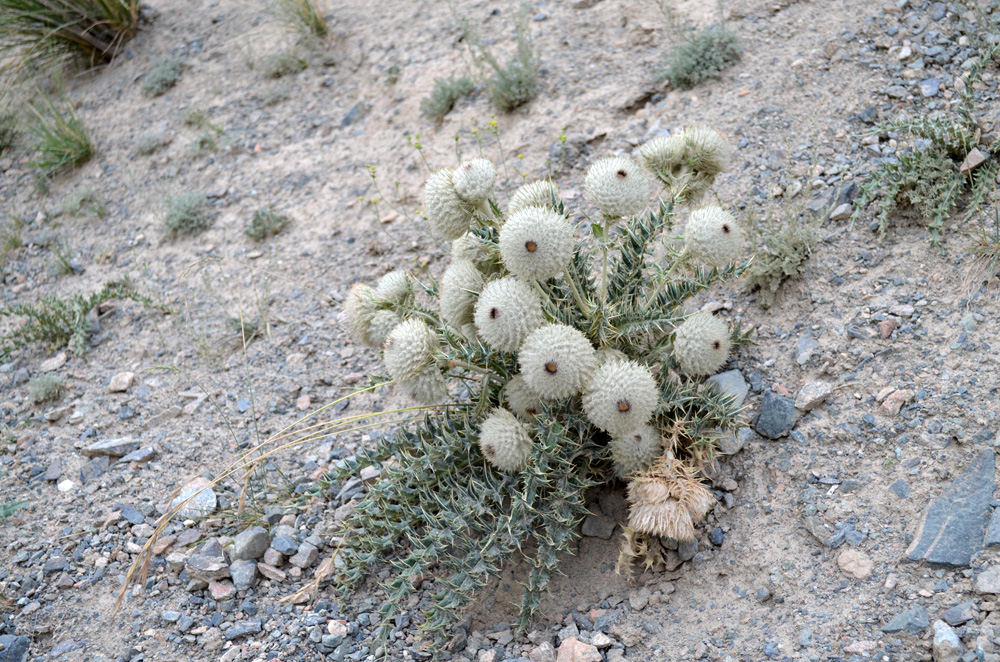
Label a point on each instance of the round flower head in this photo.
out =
(620, 397)
(474, 181)
(701, 344)
(394, 287)
(428, 387)
(634, 452)
(381, 325)
(556, 361)
(713, 237)
(616, 186)
(459, 285)
(707, 151)
(521, 399)
(668, 500)
(666, 518)
(507, 311)
(505, 441)
(536, 243)
(663, 154)
(409, 349)
(539, 193)
(688, 161)
(446, 215)
(469, 247)
(360, 308)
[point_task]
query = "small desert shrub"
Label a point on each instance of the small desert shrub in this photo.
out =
(63, 321)
(392, 74)
(80, 203)
(701, 56)
(281, 64)
(304, 17)
(46, 388)
(188, 214)
(63, 141)
(276, 94)
(10, 237)
(444, 95)
(35, 33)
(513, 84)
(203, 142)
(149, 142)
(985, 264)
(784, 247)
(266, 223)
(162, 75)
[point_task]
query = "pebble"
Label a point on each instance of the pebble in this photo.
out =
(121, 382)
(205, 568)
(900, 488)
(203, 499)
(777, 416)
(812, 395)
(598, 526)
(285, 544)
(731, 383)
(959, 614)
(251, 543)
(14, 649)
(910, 621)
(930, 87)
(855, 563)
(111, 447)
(56, 362)
(574, 650)
(306, 557)
(946, 645)
(242, 629)
(805, 347)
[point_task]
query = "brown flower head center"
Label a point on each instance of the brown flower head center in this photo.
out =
(621, 174)
(638, 437)
(531, 411)
(490, 451)
(624, 407)
(725, 228)
(551, 367)
(530, 246)
(716, 344)
(494, 313)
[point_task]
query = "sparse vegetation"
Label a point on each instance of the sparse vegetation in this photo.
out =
(303, 17)
(266, 223)
(80, 203)
(8, 509)
(63, 322)
(163, 74)
(275, 94)
(63, 141)
(8, 129)
(10, 237)
(703, 55)
(62, 259)
(188, 214)
(149, 142)
(985, 265)
(513, 84)
(203, 142)
(46, 388)
(36, 33)
(783, 248)
(277, 65)
(391, 73)
(444, 95)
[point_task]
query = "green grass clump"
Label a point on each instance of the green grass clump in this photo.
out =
(446, 92)
(701, 56)
(46, 388)
(513, 84)
(8, 129)
(303, 17)
(282, 64)
(37, 33)
(783, 248)
(63, 141)
(10, 237)
(162, 75)
(188, 214)
(63, 322)
(266, 223)
(149, 142)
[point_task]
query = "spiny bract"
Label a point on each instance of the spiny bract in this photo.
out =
(505, 441)
(409, 349)
(474, 181)
(541, 193)
(713, 236)
(556, 361)
(507, 311)
(620, 397)
(446, 215)
(536, 243)
(617, 186)
(459, 285)
(701, 344)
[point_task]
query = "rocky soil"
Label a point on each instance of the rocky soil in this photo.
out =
(854, 516)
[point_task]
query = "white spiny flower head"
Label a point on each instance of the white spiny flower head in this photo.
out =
(459, 285)
(394, 287)
(701, 344)
(713, 237)
(507, 311)
(539, 193)
(634, 452)
(707, 151)
(621, 397)
(536, 243)
(556, 361)
(664, 154)
(428, 387)
(360, 308)
(505, 441)
(617, 186)
(521, 399)
(474, 181)
(381, 325)
(469, 247)
(409, 349)
(446, 214)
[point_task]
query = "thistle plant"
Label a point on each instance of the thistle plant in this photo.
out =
(548, 363)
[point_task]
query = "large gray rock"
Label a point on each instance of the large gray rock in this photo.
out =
(111, 447)
(731, 383)
(202, 499)
(951, 531)
(251, 544)
(911, 621)
(244, 574)
(777, 416)
(14, 649)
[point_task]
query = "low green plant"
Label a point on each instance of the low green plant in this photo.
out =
(266, 222)
(82, 202)
(203, 143)
(63, 322)
(163, 74)
(544, 364)
(442, 98)
(391, 73)
(46, 388)
(149, 142)
(303, 17)
(928, 176)
(985, 264)
(187, 214)
(62, 139)
(9, 508)
(62, 259)
(8, 129)
(515, 83)
(278, 65)
(37, 33)
(783, 248)
(702, 55)
(10, 237)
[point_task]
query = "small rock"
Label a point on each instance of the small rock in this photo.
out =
(14, 649)
(841, 212)
(598, 526)
(959, 614)
(930, 87)
(244, 574)
(544, 652)
(855, 563)
(202, 499)
(140, 456)
(947, 647)
(886, 327)
(202, 567)
(805, 347)
(56, 362)
(251, 544)
(911, 621)
(54, 472)
(973, 160)
(221, 591)
(895, 401)
(121, 382)
(273, 557)
(271, 572)
(777, 416)
(900, 488)
(306, 557)
(242, 629)
(302, 402)
(902, 310)
(285, 544)
(574, 650)
(111, 447)
(93, 470)
(993, 531)
(812, 395)
(988, 581)
(639, 598)
(167, 414)
(601, 640)
(731, 383)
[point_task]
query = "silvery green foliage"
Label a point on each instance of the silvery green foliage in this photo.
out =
(565, 363)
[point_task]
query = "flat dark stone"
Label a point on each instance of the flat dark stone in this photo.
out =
(959, 614)
(242, 629)
(993, 532)
(911, 621)
(900, 488)
(94, 469)
(777, 416)
(954, 523)
(14, 649)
